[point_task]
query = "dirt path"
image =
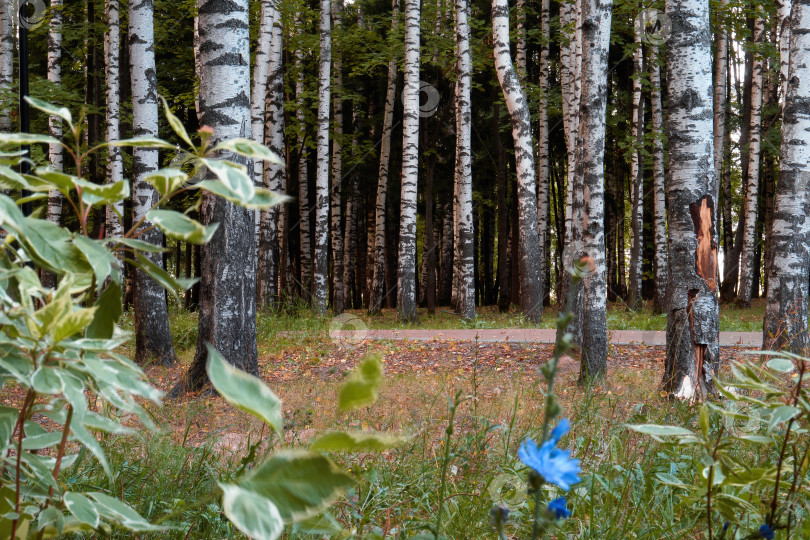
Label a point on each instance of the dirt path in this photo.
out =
(531, 335)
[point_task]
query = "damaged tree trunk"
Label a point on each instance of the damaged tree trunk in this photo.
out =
(692, 316)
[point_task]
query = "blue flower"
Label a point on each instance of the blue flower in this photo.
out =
(557, 507)
(766, 532)
(553, 464)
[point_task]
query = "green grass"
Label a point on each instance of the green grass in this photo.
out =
(172, 481)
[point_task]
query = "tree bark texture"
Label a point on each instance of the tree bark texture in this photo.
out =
(692, 316)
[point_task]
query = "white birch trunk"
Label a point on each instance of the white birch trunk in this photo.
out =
(744, 291)
(659, 189)
(258, 98)
(463, 173)
(337, 170)
(783, 35)
(115, 165)
(637, 179)
(152, 337)
(377, 292)
(531, 301)
(6, 61)
(543, 170)
(55, 154)
(320, 277)
(692, 314)
(275, 176)
(786, 319)
(227, 313)
(303, 175)
(406, 273)
(589, 203)
(520, 40)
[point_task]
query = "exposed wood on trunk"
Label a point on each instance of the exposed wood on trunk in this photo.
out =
(692, 315)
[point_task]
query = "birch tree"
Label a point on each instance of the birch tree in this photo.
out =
(752, 182)
(303, 174)
(258, 98)
(531, 301)
(659, 190)
(692, 314)
(589, 204)
(463, 174)
(153, 340)
(6, 60)
(378, 280)
(55, 155)
(786, 319)
(406, 272)
(115, 164)
(543, 178)
(337, 169)
(783, 35)
(227, 313)
(637, 177)
(275, 176)
(319, 282)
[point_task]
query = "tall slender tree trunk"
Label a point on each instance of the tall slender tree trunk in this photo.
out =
(303, 175)
(446, 264)
(337, 170)
(153, 340)
(227, 313)
(786, 318)
(6, 61)
(783, 25)
(659, 190)
(350, 246)
(377, 292)
(692, 316)
(504, 278)
(543, 150)
(721, 136)
(258, 98)
(115, 165)
(275, 176)
(463, 176)
(320, 276)
(588, 208)
(55, 155)
(406, 274)
(752, 192)
(637, 179)
(531, 299)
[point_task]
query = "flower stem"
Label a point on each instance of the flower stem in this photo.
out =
(536, 525)
(445, 460)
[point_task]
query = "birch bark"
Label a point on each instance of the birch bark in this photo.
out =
(320, 278)
(659, 181)
(692, 315)
(258, 99)
(337, 168)
(275, 176)
(589, 202)
(463, 177)
(6, 61)
(227, 313)
(786, 317)
(637, 178)
(377, 291)
(531, 300)
(153, 340)
(406, 275)
(115, 165)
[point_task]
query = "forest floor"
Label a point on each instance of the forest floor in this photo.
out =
(202, 439)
